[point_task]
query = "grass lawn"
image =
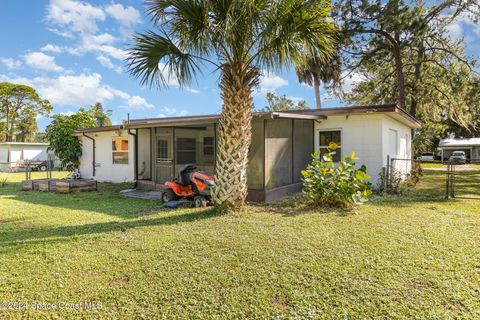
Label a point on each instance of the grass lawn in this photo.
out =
(427, 165)
(410, 256)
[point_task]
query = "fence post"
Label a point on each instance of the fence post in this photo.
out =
(387, 177)
(447, 186)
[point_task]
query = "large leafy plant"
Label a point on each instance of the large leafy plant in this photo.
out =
(326, 183)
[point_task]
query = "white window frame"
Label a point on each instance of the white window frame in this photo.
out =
(341, 140)
(127, 151)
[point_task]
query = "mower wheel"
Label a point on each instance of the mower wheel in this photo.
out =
(199, 202)
(168, 195)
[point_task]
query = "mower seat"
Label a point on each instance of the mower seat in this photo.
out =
(184, 175)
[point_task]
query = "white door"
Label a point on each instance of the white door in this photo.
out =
(392, 143)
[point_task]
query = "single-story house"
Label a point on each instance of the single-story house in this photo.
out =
(11, 152)
(471, 147)
(151, 151)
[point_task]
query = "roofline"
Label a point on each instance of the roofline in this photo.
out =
(25, 143)
(79, 132)
(310, 114)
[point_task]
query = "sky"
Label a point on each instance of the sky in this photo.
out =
(72, 52)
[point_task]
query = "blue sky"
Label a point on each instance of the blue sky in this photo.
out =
(72, 53)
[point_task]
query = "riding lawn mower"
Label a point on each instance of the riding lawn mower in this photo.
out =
(191, 185)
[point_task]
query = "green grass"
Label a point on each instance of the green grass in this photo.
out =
(431, 165)
(409, 256)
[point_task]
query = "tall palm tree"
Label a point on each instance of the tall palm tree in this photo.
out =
(239, 38)
(320, 70)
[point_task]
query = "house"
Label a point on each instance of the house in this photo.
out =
(11, 152)
(151, 151)
(471, 147)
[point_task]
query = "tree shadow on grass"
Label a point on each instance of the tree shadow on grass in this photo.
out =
(106, 200)
(22, 236)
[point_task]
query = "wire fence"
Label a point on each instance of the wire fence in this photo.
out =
(461, 178)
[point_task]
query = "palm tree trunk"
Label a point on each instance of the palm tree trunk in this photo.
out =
(316, 87)
(234, 136)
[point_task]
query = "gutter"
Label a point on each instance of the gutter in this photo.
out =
(135, 156)
(93, 161)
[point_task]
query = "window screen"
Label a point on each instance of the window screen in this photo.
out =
(208, 146)
(325, 137)
(162, 150)
(186, 150)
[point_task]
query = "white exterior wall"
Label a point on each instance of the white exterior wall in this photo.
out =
(361, 134)
(368, 136)
(11, 153)
(403, 148)
(105, 170)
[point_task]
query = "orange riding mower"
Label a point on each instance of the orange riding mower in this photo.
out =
(191, 185)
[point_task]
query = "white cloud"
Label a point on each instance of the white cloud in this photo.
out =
(11, 63)
(172, 112)
(137, 102)
(107, 63)
(74, 16)
(51, 48)
(349, 80)
(79, 90)
(270, 82)
(126, 16)
(41, 61)
(102, 43)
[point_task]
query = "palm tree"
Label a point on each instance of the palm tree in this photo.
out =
(320, 70)
(239, 38)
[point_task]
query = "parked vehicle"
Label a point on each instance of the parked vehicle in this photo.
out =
(458, 157)
(427, 156)
(35, 165)
(191, 184)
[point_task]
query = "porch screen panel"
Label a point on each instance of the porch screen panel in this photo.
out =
(186, 150)
(278, 162)
(303, 147)
(256, 154)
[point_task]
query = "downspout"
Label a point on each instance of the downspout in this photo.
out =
(93, 149)
(135, 154)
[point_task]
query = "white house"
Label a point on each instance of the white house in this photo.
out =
(151, 151)
(11, 152)
(470, 146)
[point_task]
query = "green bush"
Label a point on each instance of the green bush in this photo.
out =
(341, 185)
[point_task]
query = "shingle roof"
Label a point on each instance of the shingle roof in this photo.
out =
(471, 142)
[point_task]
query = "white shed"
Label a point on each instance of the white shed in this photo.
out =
(11, 152)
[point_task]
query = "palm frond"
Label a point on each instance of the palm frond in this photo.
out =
(156, 60)
(294, 29)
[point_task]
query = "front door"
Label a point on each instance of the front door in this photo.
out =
(163, 158)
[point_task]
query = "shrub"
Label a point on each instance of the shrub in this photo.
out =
(327, 184)
(3, 182)
(414, 176)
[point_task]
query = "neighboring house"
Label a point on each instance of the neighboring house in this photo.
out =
(151, 151)
(470, 146)
(11, 152)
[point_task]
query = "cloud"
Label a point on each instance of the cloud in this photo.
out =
(137, 102)
(78, 90)
(126, 16)
(101, 43)
(11, 63)
(107, 63)
(172, 112)
(73, 16)
(41, 61)
(51, 48)
(349, 80)
(269, 83)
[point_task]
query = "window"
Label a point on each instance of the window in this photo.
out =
(208, 146)
(325, 137)
(186, 150)
(162, 150)
(120, 150)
